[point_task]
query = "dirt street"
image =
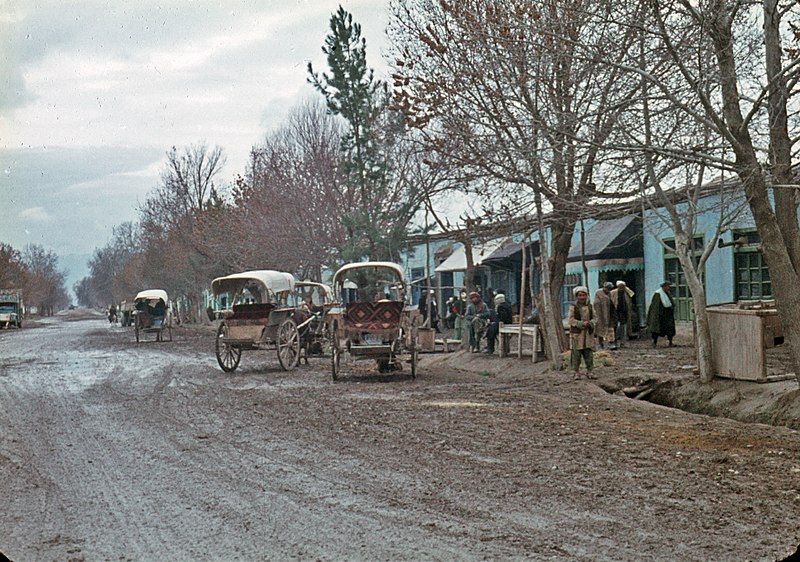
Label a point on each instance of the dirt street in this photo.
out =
(109, 450)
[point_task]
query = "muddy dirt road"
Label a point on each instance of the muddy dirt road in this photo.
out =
(109, 450)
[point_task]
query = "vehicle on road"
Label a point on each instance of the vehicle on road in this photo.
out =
(152, 314)
(264, 315)
(126, 313)
(371, 318)
(314, 300)
(11, 308)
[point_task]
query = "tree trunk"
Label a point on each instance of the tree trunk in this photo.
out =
(703, 342)
(784, 278)
(469, 272)
(780, 143)
(550, 319)
(561, 232)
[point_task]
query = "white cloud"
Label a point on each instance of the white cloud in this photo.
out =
(35, 214)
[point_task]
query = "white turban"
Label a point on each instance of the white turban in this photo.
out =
(580, 289)
(620, 283)
(501, 298)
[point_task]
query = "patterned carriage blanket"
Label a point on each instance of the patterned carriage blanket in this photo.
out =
(373, 316)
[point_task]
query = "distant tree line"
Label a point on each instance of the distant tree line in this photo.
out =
(35, 272)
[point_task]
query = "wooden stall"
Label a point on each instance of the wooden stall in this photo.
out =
(741, 334)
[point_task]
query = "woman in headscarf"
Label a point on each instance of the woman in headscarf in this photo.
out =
(661, 315)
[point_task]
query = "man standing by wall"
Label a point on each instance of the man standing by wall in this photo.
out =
(622, 301)
(604, 312)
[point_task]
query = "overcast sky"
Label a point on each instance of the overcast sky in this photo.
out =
(92, 94)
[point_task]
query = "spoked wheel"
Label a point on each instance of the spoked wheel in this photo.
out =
(336, 356)
(228, 356)
(414, 353)
(288, 345)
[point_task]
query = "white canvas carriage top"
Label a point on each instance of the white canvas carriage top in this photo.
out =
(339, 275)
(274, 281)
(152, 294)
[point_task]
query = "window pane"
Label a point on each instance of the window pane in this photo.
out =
(755, 275)
(744, 291)
(765, 273)
(744, 274)
(755, 290)
(767, 292)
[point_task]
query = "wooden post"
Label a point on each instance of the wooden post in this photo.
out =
(522, 296)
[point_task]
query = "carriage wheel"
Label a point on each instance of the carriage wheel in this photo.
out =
(228, 356)
(336, 356)
(288, 345)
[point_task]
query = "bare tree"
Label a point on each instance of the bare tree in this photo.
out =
(517, 84)
(728, 73)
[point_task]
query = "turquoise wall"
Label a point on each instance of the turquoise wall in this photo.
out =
(720, 266)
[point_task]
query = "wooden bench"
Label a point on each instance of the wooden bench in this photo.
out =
(531, 331)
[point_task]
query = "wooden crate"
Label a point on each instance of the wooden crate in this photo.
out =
(427, 339)
(739, 338)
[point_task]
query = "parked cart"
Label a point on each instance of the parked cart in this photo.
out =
(152, 314)
(263, 316)
(371, 319)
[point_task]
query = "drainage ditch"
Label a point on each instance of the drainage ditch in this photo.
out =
(771, 403)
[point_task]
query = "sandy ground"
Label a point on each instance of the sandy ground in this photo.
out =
(110, 450)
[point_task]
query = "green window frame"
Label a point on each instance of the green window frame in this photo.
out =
(673, 272)
(751, 275)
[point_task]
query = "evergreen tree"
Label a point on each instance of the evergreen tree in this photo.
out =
(380, 205)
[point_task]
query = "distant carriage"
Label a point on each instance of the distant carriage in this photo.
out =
(152, 314)
(263, 316)
(371, 318)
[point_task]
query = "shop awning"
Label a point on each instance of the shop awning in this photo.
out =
(611, 239)
(458, 259)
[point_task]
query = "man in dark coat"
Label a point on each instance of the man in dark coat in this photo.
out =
(661, 315)
(504, 314)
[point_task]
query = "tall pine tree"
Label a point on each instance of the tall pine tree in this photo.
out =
(380, 204)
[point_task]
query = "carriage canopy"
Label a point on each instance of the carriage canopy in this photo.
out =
(273, 282)
(371, 280)
(152, 295)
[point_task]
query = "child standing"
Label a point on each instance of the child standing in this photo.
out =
(581, 332)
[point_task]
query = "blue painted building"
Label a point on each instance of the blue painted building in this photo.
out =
(732, 272)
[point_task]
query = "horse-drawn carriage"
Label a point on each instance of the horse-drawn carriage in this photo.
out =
(314, 299)
(152, 314)
(371, 319)
(263, 316)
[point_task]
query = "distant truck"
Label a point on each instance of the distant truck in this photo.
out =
(11, 308)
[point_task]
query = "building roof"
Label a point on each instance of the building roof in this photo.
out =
(458, 259)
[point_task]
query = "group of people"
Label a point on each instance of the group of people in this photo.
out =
(610, 320)
(616, 313)
(481, 319)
